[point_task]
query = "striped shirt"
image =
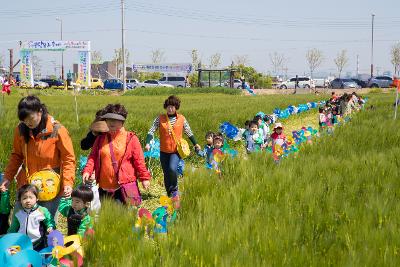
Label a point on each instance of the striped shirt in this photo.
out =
(156, 125)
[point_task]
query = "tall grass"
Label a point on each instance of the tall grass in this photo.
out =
(335, 203)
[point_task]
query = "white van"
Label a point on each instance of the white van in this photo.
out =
(176, 81)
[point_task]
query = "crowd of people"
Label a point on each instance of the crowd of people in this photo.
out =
(257, 135)
(43, 164)
(43, 161)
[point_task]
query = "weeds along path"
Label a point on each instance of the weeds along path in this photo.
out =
(335, 204)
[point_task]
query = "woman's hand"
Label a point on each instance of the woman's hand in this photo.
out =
(146, 184)
(67, 191)
(85, 177)
(4, 185)
(147, 147)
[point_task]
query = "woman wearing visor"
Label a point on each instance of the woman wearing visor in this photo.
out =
(117, 160)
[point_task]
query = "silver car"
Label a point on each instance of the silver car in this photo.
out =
(380, 82)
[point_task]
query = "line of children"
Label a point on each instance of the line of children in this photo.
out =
(337, 108)
(257, 133)
(36, 221)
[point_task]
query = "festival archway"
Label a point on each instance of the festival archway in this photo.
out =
(28, 47)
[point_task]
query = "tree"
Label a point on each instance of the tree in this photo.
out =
(215, 60)
(277, 61)
(314, 59)
(1, 60)
(341, 61)
(118, 60)
(157, 56)
(37, 70)
(194, 54)
(395, 54)
(96, 59)
(241, 60)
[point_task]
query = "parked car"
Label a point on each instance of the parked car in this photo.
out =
(237, 84)
(132, 83)
(176, 81)
(361, 83)
(53, 82)
(321, 83)
(96, 83)
(380, 81)
(154, 83)
(40, 85)
(340, 83)
(303, 82)
(114, 84)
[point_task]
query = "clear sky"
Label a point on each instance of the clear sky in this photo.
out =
(255, 28)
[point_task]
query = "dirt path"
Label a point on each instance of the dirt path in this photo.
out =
(318, 91)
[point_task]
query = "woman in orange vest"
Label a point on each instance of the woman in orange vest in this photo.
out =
(169, 156)
(40, 143)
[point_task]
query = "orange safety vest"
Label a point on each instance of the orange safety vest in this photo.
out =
(167, 143)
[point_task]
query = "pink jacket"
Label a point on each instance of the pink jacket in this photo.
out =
(132, 165)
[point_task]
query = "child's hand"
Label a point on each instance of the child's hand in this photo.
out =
(86, 178)
(197, 147)
(147, 147)
(49, 230)
(67, 191)
(4, 185)
(146, 184)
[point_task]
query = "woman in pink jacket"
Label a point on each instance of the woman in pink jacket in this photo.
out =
(117, 160)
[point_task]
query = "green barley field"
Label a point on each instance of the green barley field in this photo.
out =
(335, 203)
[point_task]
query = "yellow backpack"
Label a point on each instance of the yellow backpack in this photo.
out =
(47, 181)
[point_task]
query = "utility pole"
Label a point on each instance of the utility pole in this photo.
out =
(358, 65)
(372, 46)
(11, 64)
(123, 45)
(62, 52)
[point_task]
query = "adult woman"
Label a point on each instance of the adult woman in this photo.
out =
(169, 156)
(117, 159)
(40, 143)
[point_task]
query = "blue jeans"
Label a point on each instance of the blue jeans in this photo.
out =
(169, 164)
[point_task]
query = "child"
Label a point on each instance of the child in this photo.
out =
(278, 137)
(208, 148)
(335, 119)
(246, 130)
(267, 135)
(217, 154)
(76, 210)
(254, 140)
(262, 126)
(322, 118)
(30, 218)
